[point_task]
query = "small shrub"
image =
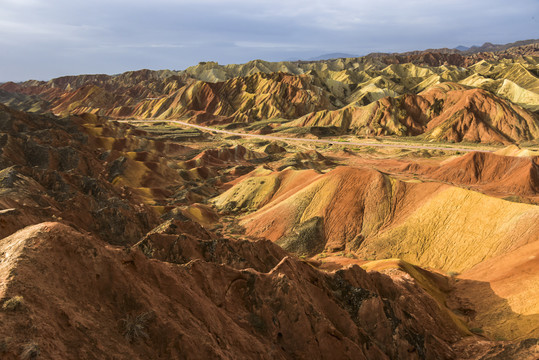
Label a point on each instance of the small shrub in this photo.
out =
(30, 351)
(13, 304)
(477, 330)
(134, 327)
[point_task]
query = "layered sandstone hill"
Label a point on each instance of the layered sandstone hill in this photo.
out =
(332, 93)
(113, 95)
(21, 101)
(503, 288)
(377, 216)
(490, 173)
(256, 97)
(129, 243)
(510, 173)
(448, 111)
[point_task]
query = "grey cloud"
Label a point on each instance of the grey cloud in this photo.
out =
(42, 39)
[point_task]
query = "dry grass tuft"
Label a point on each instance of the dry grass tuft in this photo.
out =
(13, 304)
(30, 351)
(134, 327)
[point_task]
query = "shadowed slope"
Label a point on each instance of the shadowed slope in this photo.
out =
(513, 277)
(52, 169)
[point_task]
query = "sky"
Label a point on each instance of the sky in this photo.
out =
(43, 39)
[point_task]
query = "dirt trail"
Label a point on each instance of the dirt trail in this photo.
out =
(319, 141)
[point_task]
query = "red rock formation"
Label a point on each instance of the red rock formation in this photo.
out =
(204, 309)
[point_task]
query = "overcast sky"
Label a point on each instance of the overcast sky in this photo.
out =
(42, 39)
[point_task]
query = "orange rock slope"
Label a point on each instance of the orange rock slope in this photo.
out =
(376, 215)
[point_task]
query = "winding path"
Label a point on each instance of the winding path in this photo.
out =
(319, 141)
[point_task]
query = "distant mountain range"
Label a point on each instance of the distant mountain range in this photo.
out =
(494, 47)
(328, 56)
(332, 56)
(486, 47)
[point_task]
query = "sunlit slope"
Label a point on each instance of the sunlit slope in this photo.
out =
(378, 217)
(456, 229)
(519, 95)
(513, 80)
(111, 96)
(332, 206)
(515, 173)
(259, 96)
